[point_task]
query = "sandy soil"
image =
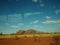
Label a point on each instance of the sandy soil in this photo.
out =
(30, 41)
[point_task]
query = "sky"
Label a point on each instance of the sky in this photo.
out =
(41, 15)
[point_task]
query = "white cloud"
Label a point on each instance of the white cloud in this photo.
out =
(18, 25)
(34, 0)
(33, 13)
(36, 21)
(57, 11)
(27, 14)
(51, 22)
(42, 5)
(48, 17)
(14, 26)
(37, 1)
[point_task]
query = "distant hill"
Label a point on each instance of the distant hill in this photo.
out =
(29, 31)
(32, 31)
(20, 32)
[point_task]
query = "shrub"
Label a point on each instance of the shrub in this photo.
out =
(16, 37)
(25, 36)
(1, 33)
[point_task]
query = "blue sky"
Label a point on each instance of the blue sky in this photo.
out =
(41, 15)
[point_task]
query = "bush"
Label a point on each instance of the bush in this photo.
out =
(1, 33)
(25, 36)
(16, 37)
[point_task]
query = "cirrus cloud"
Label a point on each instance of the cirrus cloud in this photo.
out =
(40, 1)
(18, 25)
(47, 17)
(42, 5)
(33, 13)
(51, 22)
(57, 11)
(14, 26)
(35, 22)
(34, 0)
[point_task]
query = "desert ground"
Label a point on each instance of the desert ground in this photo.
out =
(43, 39)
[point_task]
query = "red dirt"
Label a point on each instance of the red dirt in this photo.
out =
(30, 41)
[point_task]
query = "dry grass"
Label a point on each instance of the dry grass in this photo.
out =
(28, 35)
